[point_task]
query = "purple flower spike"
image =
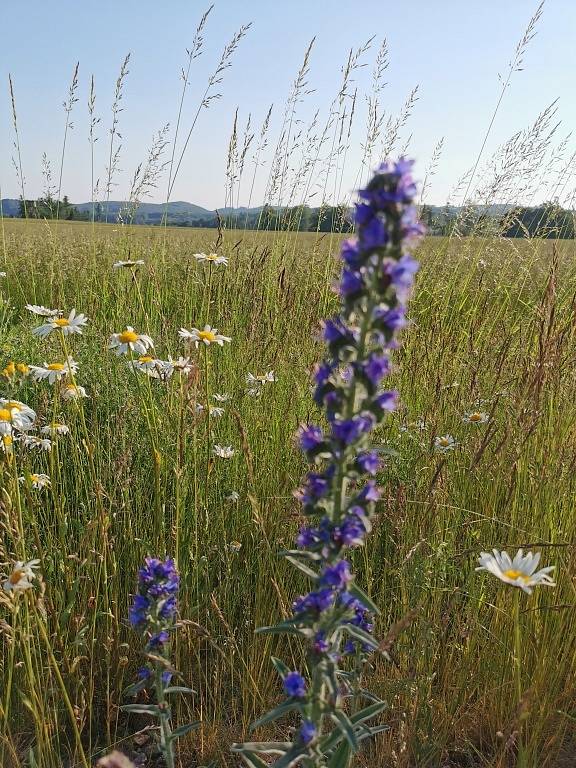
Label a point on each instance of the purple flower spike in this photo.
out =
(339, 497)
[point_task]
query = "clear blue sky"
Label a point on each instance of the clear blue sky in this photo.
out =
(452, 49)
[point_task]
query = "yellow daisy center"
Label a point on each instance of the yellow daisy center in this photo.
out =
(208, 336)
(511, 573)
(16, 576)
(56, 367)
(5, 414)
(22, 368)
(212, 257)
(443, 441)
(10, 369)
(34, 478)
(475, 416)
(145, 359)
(62, 322)
(127, 337)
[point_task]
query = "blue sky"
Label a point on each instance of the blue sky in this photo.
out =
(452, 49)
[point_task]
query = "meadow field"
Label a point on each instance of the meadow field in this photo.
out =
(492, 331)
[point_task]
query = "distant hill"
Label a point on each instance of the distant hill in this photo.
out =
(179, 212)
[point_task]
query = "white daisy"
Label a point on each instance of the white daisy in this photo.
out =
(232, 497)
(181, 365)
(2, 274)
(37, 481)
(128, 263)
(53, 372)
(519, 572)
(21, 577)
(221, 398)
(211, 258)
(263, 379)
(72, 392)
(67, 325)
(223, 451)
(38, 309)
(33, 441)
(130, 341)
(207, 336)
(151, 366)
(475, 417)
(14, 414)
(444, 443)
(55, 428)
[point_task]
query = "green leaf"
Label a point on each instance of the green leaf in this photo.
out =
(373, 731)
(302, 567)
(346, 728)
(182, 730)
(280, 667)
(253, 761)
(178, 689)
(368, 712)
(341, 757)
(290, 758)
(275, 714)
(143, 709)
(135, 688)
(359, 593)
(302, 554)
(360, 634)
(283, 628)
(266, 747)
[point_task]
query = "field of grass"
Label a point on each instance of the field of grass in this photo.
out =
(492, 330)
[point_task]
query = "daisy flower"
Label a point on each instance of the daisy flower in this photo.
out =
(148, 365)
(181, 365)
(67, 325)
(475, 417)
(223, 451)
(264, 379)
(207, 336)
(520, 572)
(232, 497)
(221, 398)
(9, 370)
(55, 428)
(21, 577)
(37, 481)
(14, 414)
(2, 274)
(72, 392)
(211, 258)
(33, 441)
(234, 546)
(130, 341)
(444, 443)
(128, 263)
(53, 372)
(38, 309)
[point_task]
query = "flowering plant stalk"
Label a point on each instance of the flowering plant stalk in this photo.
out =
(153, 614)
(336, 617)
